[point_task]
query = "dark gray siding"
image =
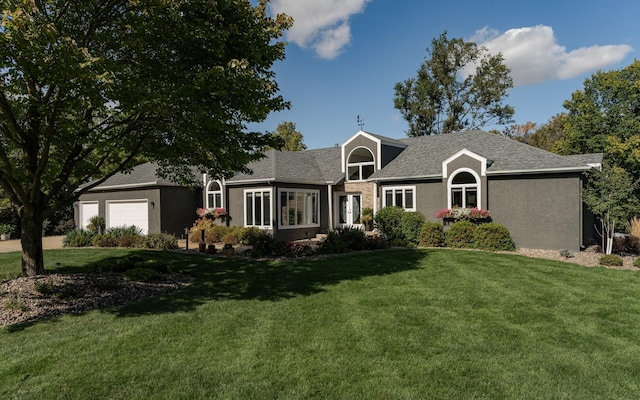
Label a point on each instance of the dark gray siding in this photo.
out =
(178, 207)
(540, 211)
(389, 153)
(171, 209)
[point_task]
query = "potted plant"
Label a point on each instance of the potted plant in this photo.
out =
(5, 231)
(367, 218)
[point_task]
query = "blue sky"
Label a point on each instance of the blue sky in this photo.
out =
(344, 56)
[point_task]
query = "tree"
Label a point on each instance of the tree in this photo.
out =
(292, 140)
(89, 88)
(520, 133)
(605, 117)
(441, 99)
(549, 135)
(609, 194)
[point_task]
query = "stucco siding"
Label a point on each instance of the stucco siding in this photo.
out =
(179, 206)
(540, 211)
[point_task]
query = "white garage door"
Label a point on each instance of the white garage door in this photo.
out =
(87, 210)
(128, 213)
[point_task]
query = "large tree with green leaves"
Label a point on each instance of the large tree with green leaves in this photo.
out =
(88, 88)
(605, 117)
(444, 97)
(609, 194)
(291, 139)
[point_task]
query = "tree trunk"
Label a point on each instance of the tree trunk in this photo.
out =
(31, 239)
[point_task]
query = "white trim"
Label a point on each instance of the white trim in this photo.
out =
(539, 171)
(81, 218)
(280, 210)
(107, 219)
(330, 202)
(244, 206)
(360, 164)
(482, 160)
(336, 210)
(207, 192)
(404, 189)
(477, 185)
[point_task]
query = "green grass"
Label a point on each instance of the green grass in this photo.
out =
(395, 324)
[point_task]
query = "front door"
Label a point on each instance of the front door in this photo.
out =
(349, 208)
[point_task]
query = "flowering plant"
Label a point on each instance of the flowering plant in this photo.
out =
(211, 213)
(472, 214)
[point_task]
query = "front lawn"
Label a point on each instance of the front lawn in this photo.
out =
(394, 324)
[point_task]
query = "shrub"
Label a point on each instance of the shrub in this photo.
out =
(140, 274)
(376, 242)
(78, 238)
(611, 260)
(460, 234)
(130, 240)
(104, 240)
(96, 224)
(431, 234)
(231, 235)
(411, 223)
(493, 237)
(353, 238)
(636, 263)
(247, 235)
(566, 253)
(332, 244)
(120, 231)
(160, 241)
(64, 226)
(297, 249)
(389, 221)
(265, 245)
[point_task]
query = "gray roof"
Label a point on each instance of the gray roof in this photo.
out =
(140, 176)
(318, 166)
(424, 155)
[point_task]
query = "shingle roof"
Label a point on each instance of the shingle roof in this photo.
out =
(142, 175)
(424, 155)
(309, 166)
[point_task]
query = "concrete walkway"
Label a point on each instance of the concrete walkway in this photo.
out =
(48, 243)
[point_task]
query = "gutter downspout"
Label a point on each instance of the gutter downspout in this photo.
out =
(330, 202)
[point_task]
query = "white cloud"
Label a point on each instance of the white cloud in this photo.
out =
(322, 25)
(534, 56)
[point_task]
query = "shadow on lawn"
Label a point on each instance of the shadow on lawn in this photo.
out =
(234, 279)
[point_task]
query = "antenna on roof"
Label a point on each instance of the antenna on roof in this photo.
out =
(360, 122)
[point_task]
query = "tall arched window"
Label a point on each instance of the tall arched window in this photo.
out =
(214, 195)
(360, 164)
(464, 190)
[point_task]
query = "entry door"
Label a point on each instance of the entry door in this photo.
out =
(349, 209)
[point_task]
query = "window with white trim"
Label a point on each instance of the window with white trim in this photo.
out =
(299, 208)
(400, 196)
(464, 190)
(360, 164)
(214, 195)
(257, 206)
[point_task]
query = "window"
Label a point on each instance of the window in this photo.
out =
(214, 195)
(299, 208)
(257, 205)
(464, 190)
(402, 196)
(360, 165)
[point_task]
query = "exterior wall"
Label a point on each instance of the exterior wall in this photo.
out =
(171, 209)
(361, 141)
(152, 195)
(540, 211)
(178, 207)
(464, 161)
(429, 196)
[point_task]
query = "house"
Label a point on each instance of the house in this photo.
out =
(297, 195)
(142, 199)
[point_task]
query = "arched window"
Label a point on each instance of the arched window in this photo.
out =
(214, 195)
(464, 190)
(360, 164)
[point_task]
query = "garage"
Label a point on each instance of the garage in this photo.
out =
(128, 213)
(87, 210)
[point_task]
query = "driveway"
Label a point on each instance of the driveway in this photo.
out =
(48, 242)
